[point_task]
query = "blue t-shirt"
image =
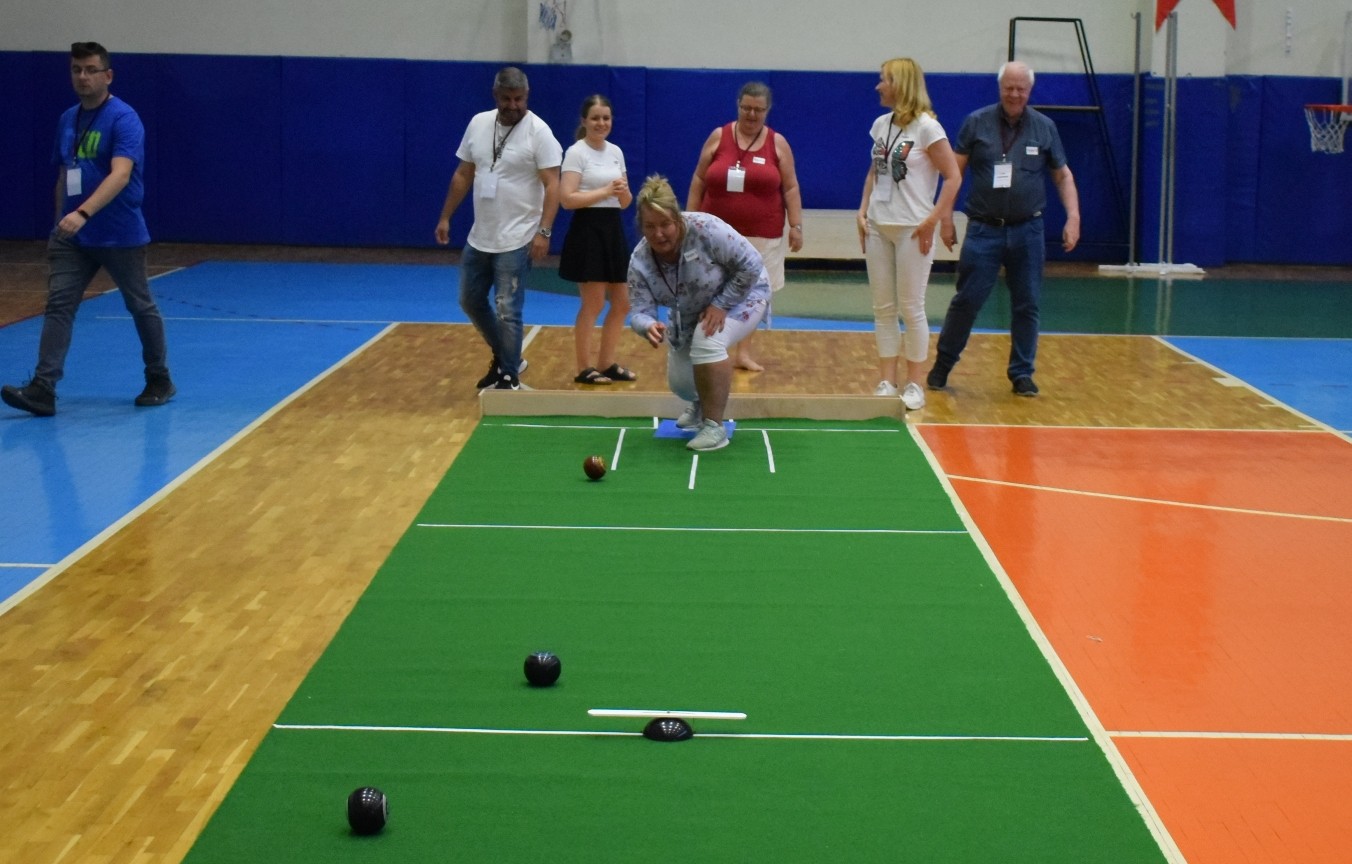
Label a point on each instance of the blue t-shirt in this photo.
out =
(113, 129)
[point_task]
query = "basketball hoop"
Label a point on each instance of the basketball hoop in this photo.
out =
(1327, 125)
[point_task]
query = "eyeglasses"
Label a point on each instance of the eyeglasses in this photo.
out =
(747, 109)
(88, 71)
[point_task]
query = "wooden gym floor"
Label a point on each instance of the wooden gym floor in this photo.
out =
(1180, 537)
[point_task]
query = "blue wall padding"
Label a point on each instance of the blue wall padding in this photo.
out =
(1241, 168)
(1200, 185)
(344, 150)
(1303, 210)
(334, 151)
(218, 166)
(19, 184)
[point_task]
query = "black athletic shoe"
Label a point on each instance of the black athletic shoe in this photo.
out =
(1024, 386)
(36, 397)
(937, 378)
(491, 376)
(159, 389)
(508, 382)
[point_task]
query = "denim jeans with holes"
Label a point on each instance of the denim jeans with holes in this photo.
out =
(502, 274)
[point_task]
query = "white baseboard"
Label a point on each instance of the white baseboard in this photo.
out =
(831, 235)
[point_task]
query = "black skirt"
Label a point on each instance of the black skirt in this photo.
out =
(595, 249)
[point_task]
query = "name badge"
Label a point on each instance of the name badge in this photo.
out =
(882, 190)
(487, 184)
(757, 160)
(73, 180)
(736, 178)
(1030, 150)
(1004, 175)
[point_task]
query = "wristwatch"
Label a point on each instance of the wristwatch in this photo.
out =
(545, 233)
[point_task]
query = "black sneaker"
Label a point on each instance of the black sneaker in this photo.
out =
(508, 382)
(937, 378)
(159, 389)
(36, 397)
(1024, 386)
(491, 376)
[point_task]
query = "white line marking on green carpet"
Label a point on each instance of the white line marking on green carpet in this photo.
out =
(791, 736)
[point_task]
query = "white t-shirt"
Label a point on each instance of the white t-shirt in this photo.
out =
(903, 153)
(597, 167)
(511, 217)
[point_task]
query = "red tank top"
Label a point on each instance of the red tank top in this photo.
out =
(758, 210)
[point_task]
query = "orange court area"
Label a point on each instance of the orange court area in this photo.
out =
(1194, 583)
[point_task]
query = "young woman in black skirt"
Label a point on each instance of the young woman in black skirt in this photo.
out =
(595, 186)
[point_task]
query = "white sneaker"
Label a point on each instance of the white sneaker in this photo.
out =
(885, 388)
(913, 397)
(691, 417)
(711, 436)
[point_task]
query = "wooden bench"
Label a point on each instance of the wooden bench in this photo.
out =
(831, 235)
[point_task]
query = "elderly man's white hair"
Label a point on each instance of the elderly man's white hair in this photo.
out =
(1000, 75)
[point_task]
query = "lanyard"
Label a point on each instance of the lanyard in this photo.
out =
(661, 270)
(737, 144)
(81, 136)
(887, 148)
(1007, 141)
(500, 145)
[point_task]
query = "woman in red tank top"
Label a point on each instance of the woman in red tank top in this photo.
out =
(746, 177)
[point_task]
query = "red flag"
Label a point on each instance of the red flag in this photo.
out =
(1227, 8)
(1164, 7)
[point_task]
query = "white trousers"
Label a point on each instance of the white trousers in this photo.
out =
(898, 274)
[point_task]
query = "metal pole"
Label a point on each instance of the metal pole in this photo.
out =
(1135, 143)
(1173, 124)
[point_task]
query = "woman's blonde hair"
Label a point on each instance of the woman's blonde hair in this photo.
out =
(657, 193)
(908, 81)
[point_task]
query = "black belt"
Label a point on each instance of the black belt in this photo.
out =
(1003, 223)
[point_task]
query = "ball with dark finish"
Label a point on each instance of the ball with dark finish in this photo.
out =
(543, 668)
(668, 729)
(367, 810)
(595, 467)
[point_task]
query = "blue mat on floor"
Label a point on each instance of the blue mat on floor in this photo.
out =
(1313, 376)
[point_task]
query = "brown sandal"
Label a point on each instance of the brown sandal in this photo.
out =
(616, 372)
(591, 376)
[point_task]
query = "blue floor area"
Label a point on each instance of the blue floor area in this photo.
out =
(1313, 376)
(69, 477)
(359, 293)
(312, 292)
(244, 336)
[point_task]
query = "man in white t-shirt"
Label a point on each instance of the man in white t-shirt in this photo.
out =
(510, 159)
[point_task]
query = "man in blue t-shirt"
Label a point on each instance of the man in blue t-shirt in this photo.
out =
(100, 148)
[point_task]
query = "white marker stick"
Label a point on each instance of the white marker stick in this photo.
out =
(684, 715)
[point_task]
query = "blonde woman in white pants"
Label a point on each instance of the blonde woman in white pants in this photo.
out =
(898, 223)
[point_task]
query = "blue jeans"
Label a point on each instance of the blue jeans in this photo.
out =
(71, 267)
(1022, 250)
(500, 323)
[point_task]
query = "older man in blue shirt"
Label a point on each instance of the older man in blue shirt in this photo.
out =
(1010, 149)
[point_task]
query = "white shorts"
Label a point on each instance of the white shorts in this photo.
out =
(704, 349)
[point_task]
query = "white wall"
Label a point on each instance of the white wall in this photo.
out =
(854, 35)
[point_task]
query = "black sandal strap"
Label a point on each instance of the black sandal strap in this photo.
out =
(591, 376)
(616, 372)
